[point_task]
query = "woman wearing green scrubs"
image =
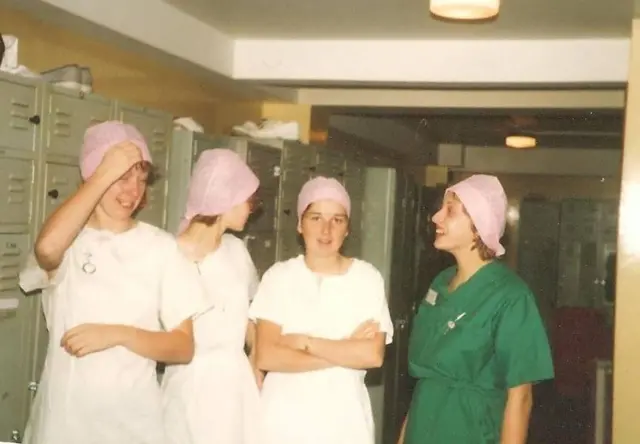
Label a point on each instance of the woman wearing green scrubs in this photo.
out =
(478, 342)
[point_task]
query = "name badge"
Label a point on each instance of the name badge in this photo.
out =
(431, 297)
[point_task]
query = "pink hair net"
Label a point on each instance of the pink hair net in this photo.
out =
(220, 181)
(486, 202)
(323, 188)
(99, 138)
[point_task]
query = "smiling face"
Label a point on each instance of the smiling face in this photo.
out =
(324, 227)
(124, 196)
(454, 229)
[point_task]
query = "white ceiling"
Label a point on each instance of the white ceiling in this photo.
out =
(407, 19)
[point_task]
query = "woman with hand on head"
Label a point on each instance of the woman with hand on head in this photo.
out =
(322, 321)
(118, 295)
(214, 399)
(478, 342)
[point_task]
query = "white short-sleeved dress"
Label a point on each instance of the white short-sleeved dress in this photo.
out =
(322, 406)
(140, 279)
(215, 399)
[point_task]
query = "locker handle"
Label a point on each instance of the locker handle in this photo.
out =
(35, 119)
(53, 194)
(287, 212)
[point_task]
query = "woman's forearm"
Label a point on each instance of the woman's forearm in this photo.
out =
(280, 358)
(517, 412)
(171, 347)
(350, 353)
(62, 227)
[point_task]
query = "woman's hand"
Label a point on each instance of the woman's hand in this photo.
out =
(366, 330)
(91, 338)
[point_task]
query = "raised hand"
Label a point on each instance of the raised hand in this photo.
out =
(118, 160)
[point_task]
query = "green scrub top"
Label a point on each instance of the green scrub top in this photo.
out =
(467, 348)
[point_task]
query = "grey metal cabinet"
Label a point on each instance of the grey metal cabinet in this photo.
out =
(354, 181)
(538, 243)
(389, 199)
(587, 236)
(15, 329)
(68, 115)
(156, 127)
(20, 135)
(299, 164)
(19, 108)
(60, 182)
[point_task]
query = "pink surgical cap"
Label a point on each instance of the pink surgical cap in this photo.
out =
(98, 139)
(220, 181)
(486, 202)
(323, 188)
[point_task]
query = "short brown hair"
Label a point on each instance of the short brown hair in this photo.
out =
(486, 253)
(206, 220)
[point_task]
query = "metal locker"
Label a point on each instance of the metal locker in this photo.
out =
(265, 163)
(156, 127)
(15, 326)
(16, 192)
(19, 117)
(298, 165)
(378, 248)
(61, 181)
(578, 259)
(538, 243)
(330, 163)
(354, 184)
(262, 246)
(68, 115)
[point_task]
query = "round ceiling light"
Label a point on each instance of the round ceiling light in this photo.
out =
(465, 9)
(520, 142)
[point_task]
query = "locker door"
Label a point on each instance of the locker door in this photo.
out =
(578, 255)
(538, 242)
(16, 182)
(398, 383)
(156, 128)
(330, 163)
(60, 182)
(354, 183)
(298, 163)
(265, 163)
(209, 143)
(262, 247)
(18, 107)
(68, 117)
(14, 331)
(607, 250)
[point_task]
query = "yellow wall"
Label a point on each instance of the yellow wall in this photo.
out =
(119, 74)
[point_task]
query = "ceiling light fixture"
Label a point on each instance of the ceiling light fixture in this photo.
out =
(520, 142)
(465, 9)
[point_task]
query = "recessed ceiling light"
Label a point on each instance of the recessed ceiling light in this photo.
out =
(520, 142)
(465, 9)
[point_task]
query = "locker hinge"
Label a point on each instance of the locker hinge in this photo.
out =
(33, 386)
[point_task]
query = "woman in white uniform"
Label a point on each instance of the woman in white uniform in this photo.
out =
(322, 321)
(118, 295)
(215, 398)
